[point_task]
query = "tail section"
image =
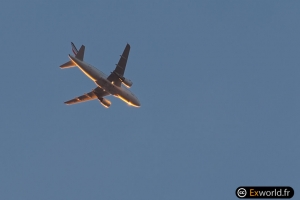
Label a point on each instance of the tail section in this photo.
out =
(74, 49)
(78, 54)
(68, 64)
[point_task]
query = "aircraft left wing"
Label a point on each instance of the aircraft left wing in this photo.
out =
(97, 93)
(117, 75)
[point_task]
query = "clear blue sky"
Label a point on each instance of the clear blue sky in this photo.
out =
(219, 84)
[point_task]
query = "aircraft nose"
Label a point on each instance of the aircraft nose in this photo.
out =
(137, 102)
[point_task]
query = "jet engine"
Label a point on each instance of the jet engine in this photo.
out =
(105, 102)
(128, 83)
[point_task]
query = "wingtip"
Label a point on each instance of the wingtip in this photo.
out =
(67, 102)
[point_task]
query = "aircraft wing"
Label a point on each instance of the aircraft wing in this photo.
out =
(120, 68)
(95, 94)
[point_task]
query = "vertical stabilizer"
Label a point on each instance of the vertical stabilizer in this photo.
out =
(74, 49)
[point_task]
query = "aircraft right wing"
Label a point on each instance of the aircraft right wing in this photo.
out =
(97, 93)
(118, 73)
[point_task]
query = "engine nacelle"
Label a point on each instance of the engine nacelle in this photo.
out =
(128, 83)
(105, 102)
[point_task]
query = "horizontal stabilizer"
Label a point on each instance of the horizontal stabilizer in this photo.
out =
(67, 65)
(80, 53)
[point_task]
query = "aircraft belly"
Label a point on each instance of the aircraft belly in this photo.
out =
(90, 72)
(123, 96)
(107, 86)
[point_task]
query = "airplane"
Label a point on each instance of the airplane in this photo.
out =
(106, 85)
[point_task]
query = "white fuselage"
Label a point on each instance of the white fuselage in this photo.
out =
(100, 79)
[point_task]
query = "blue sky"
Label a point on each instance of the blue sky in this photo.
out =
(218, 82)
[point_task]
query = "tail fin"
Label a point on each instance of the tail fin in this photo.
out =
(80, 53)
(74, 49)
